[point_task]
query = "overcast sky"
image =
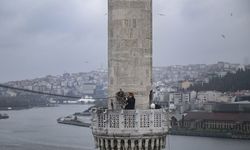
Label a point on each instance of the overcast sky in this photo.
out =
(41, 37)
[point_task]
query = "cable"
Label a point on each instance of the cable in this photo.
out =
(44, 93)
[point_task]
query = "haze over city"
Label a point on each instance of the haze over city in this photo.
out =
(124, 74)
(38, 38)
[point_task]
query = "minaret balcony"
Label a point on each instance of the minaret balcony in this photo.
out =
(130, 123)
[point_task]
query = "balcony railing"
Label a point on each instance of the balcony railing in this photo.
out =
(130, 122)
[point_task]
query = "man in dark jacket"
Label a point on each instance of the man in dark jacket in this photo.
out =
(130, 102)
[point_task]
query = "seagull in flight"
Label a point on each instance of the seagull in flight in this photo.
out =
(223, 36)
(160, 14)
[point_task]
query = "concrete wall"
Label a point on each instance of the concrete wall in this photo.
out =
(130, 48)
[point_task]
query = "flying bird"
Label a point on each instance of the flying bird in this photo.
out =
(223, 36)
(161, 14)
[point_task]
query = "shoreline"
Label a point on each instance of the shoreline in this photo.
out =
(23, 108)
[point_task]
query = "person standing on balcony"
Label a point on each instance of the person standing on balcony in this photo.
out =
(112, 104)
(120, 99)
(130, 101)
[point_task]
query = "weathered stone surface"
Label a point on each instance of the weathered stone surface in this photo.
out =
(130, 69)
(130, 129)
(130, 49)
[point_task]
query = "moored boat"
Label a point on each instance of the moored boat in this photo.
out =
(4, 116)
(72, 120)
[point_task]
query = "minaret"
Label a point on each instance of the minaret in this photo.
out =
(129, 123)
(130, 49)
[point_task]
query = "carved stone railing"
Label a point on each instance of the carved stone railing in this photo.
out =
(130, 122)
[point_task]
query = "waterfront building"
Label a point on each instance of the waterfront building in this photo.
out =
(218, 121)
(225, 120)
(129, 123)
(209, 96)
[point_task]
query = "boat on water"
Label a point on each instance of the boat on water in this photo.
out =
(78, 118)
(4, 116)
(73, 120)
(85, 113)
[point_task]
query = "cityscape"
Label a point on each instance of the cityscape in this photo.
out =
(173, 88)
(124, 75)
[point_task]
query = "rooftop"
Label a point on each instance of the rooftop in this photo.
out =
(217, 116)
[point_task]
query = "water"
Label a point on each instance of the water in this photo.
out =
(37, 129)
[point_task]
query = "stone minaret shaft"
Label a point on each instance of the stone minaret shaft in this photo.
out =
(129, 69)
(130, 49)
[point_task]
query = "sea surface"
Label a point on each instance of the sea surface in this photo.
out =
(37, 129)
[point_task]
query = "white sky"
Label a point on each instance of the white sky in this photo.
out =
(44, 37)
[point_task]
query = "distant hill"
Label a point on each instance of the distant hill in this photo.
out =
(75, 84)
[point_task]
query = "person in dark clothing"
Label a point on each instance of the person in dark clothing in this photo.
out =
(120, 94)
(157, 106)
(151, 94)
(121, 98)
(130, 102)
(112, 104)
